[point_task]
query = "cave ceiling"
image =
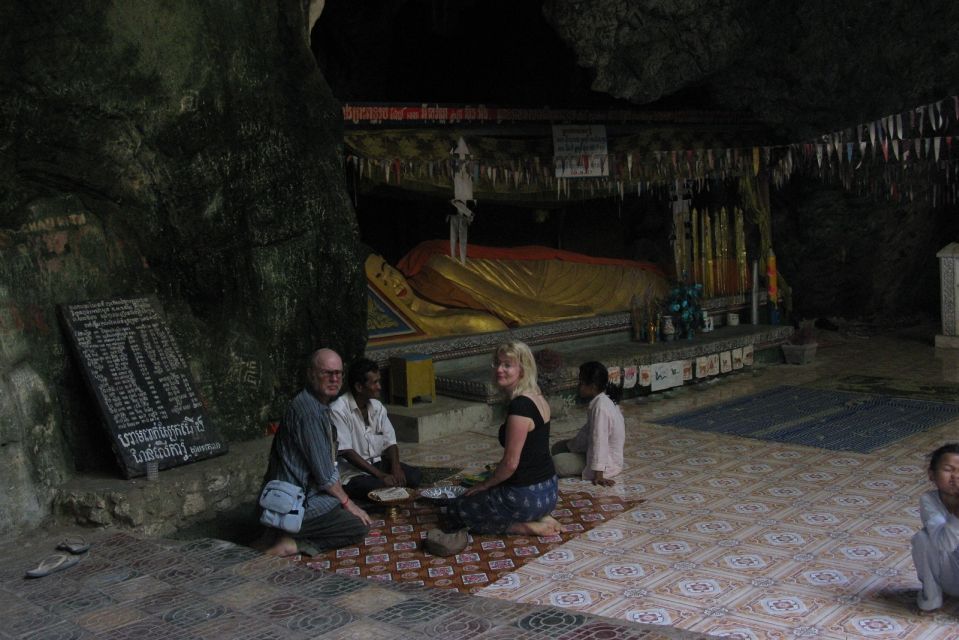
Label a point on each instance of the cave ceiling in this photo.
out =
(800, 66)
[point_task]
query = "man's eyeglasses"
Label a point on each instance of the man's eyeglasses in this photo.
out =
(331, 373)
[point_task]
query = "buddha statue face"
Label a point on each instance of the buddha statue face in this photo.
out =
(391, 281)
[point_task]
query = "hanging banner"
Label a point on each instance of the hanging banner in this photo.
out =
(579, 151)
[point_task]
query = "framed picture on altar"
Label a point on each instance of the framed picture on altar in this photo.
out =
(737, 358)
(645, 376)
(725, 362)
(702, 366)
(712, 367)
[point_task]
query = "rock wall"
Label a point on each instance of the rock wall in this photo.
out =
(190, 150)
(853, 256)
(803, 68)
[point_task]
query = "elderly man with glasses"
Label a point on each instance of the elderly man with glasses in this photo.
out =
(304, 453)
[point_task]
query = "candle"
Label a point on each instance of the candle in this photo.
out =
(771, 278)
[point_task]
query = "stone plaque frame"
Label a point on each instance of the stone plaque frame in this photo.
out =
(142, 384)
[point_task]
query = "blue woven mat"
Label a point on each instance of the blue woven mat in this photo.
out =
(823, 418)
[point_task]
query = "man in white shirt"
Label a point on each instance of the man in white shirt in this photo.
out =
(368, 456)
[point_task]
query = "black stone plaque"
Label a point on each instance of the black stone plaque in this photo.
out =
(142, 384)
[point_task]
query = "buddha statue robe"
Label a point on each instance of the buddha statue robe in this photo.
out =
(529, 285)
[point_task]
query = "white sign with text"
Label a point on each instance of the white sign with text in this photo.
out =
(579, 151)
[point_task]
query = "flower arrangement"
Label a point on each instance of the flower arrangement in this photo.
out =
(802, 345)
(683, 303)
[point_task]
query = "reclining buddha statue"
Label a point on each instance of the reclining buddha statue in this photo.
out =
(428, 319)
(528, 285)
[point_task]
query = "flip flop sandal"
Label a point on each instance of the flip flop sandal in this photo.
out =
(52, 564)
(75, 546)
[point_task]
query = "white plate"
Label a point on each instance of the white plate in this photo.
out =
(443, 493)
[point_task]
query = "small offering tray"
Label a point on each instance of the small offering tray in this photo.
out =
(388, 495)
(447, 492)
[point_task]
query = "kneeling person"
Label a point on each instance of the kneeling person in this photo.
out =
(369, 457)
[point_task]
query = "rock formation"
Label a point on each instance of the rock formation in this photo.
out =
(188, 151)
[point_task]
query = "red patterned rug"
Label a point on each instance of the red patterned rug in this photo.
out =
(393, 550)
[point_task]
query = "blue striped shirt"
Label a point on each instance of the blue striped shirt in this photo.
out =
(304, 452)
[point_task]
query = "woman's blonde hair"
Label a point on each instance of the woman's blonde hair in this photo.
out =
(521, 353)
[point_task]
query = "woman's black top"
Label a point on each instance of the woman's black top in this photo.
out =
(535, 461)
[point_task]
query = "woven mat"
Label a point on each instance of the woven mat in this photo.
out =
(392, 551)
(824, 418)
(435, 475)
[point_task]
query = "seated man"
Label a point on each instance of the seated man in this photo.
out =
(369, 457)
(304, 454)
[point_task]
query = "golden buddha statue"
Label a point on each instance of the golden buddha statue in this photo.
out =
(528, 285)
(432, 319)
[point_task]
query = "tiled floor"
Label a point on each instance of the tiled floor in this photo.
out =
(129, 588)
(736, 537)
(759, 539)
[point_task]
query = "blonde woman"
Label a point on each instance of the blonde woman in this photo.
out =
(521, 493)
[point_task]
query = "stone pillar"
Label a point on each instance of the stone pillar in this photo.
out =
(948, 271)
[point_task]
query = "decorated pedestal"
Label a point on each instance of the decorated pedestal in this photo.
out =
(948, 268)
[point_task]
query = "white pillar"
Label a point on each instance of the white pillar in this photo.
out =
(948, 272)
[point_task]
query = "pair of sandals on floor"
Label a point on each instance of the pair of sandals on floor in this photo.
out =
(74, 547)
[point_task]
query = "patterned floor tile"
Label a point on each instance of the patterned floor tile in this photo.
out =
(457, 625)
(194, 613)
(317, 622)
(363, 630)
(214, 583)
(736, 628)
(369, 599)
(110, 618)
(551, 621)
(510, 632)
(128, 589)
(604, 630)
(648, 609)
(411, 613)
(163, 601)
(238, 626)
(280, 608)
(24, 620)
(246, 595)
(62, 631)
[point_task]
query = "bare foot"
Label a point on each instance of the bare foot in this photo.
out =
(283, 547)
(553, 522)
(540, 527)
